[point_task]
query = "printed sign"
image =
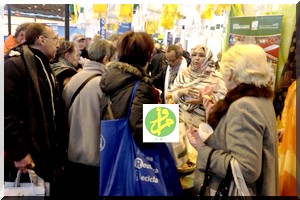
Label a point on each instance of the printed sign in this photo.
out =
(264, 31)
(124, 27)
(102, 28)
(160, 123)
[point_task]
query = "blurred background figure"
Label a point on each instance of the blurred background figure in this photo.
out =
(217, 63)
(158, 61)
(114, 39)
(19, 37)
(185, 54)
(67, 62)
(79, 40)
(88, 42)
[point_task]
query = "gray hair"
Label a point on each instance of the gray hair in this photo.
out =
(248, 63)
(99, 48)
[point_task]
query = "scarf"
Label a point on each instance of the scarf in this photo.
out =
(173, 73)
(242, 90)
(203, 70)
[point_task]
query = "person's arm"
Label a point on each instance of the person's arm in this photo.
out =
(15, 136)
(244, 141)
(158, 80)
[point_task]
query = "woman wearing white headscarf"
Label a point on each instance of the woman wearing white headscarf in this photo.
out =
(188, 91)
(200, 80)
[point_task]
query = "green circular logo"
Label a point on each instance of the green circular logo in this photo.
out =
(160, 121)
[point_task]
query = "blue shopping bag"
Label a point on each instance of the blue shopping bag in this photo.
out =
(127, 170)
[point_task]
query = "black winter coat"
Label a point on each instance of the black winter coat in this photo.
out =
(118, 83)
(29, 108)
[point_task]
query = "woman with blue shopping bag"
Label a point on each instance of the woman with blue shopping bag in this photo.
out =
(129, 167)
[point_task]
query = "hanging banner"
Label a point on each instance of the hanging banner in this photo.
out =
(123, 27)
(102, 28)
(264, 31)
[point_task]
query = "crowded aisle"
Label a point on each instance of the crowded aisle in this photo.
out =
(221, 77)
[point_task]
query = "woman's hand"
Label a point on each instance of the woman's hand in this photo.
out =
(25, 163)
(170, 98)
(194, 138)
(208, 104)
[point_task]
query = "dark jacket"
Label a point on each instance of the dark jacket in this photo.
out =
(159, 82)
(31, 111)
(118, 83)
(62, 70)
(187, 56)
(158, 63)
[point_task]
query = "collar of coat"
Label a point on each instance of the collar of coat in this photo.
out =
(240, 91)
(136, 70)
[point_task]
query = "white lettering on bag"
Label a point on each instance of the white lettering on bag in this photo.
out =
(102, 143)
(151, 179)
(139, 164)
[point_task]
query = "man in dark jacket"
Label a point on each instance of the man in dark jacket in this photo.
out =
(32, 111)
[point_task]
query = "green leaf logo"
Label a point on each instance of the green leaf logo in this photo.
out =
(160, 121)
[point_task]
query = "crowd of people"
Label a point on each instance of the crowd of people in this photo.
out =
(55, 96)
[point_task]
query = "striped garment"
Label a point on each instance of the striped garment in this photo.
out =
(198, 79)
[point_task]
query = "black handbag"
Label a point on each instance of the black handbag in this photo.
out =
(223, 189)
(207, 178)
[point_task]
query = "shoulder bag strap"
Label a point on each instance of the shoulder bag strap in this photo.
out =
(81, 86)
(130, 102)
(132, 96)
(208, 176)
(223, 189)
(111, 115)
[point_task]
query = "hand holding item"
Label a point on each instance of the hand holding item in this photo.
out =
(207, 92)
(208, 104)
(194, 138)
(194, 96)
(25, 163)
(204, 131)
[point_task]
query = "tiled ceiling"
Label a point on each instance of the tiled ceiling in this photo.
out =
(46, 11)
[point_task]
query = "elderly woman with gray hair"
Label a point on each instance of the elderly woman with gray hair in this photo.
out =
(244, 125)
(200, 80)
(82, 169)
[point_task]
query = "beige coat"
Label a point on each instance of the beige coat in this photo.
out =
(246, 132)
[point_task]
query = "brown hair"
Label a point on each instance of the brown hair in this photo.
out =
(21, 27)
(65, 47)
(135, 48)
(177, 49)
(34, 30)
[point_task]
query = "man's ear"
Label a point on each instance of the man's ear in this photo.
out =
(67, 56)
(41, 41)
(105, 60)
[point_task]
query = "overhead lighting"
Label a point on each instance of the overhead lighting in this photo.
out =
(58, 9)
(35, 6)
(29, 8)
